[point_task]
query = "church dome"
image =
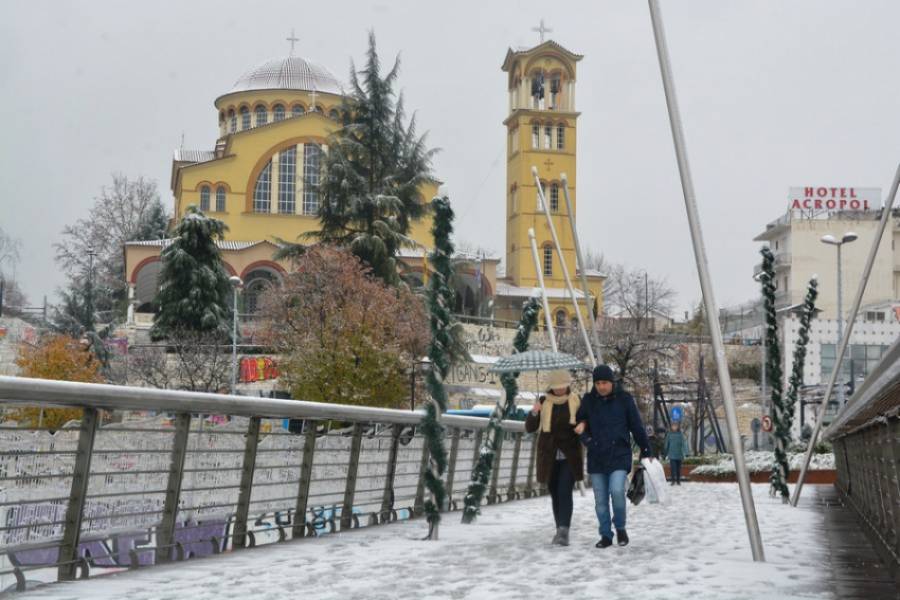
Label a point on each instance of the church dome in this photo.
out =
(289, 73)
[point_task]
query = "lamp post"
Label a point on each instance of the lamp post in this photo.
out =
(831, 240)
(236, 284)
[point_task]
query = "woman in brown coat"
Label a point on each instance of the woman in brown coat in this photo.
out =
(559, 462)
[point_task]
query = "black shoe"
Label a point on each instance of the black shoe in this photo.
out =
(621, 537)
(604, 542)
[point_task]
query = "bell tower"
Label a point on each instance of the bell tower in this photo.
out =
(541, 132)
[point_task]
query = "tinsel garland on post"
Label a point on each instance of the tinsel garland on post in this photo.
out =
(774, 376)
(440, 351)
(481, 473)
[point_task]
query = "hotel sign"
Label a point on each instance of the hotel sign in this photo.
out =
(814, 201)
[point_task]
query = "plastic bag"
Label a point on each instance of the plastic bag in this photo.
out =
(655, 481)
(636, 488)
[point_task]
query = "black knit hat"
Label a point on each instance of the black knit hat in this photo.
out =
(603, 373)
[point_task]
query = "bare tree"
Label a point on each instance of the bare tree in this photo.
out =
(595, 260)
(125, 211)
(10, 249)
(197, 362)
(634, 294)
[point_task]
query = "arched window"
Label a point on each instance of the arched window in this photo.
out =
(220, 198)
(257, 284)
(262, 191)
(245, 118)
(297, 110)
(262, 115)
(560, 137)
(548, 137)
(204, 198)
(548, 261)
(561, 318)
(312, 164)
(537, 90)
(555, 92)
(334, 115)
(232, 121)
(554, 197)
(287, 168)
(535, 136)
(278, 113)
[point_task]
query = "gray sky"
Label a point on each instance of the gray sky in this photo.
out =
(773, 94)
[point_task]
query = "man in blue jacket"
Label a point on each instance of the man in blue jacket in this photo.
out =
(607, 420)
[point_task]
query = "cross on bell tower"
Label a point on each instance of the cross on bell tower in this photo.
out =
(542, 29)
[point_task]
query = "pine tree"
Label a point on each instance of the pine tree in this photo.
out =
(194, 290)
(481, 473)
(774, 376)
(442, 352)
(375, 167)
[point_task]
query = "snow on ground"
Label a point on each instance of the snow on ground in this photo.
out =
(694, 548)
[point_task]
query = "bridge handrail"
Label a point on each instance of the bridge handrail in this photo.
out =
(72, 497)
(25, 390)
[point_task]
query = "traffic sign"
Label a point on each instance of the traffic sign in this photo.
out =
(677, 413)
(767, 423)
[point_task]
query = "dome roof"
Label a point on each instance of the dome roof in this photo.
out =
(289, 73)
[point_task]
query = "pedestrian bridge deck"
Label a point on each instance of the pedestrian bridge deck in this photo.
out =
(696, 547)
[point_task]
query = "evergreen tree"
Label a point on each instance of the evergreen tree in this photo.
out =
(375, 167)
(194, 290)
(153, 224)
(481, 473)
(441, 352)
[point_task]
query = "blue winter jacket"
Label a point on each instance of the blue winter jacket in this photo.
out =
(612, 421)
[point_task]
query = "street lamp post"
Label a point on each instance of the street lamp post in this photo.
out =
(831, 240)
(236, 284)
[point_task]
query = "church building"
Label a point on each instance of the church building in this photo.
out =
(261, 179)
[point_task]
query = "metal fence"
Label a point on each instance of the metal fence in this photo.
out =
(866, 438)
(147, 476)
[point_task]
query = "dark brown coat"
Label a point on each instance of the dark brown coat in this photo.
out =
(561, 436)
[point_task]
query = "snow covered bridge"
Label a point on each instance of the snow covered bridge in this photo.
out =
(166, 501)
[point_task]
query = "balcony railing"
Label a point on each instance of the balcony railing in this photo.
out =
(148, 476)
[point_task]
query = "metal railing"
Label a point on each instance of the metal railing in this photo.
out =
(142, 478)
(866, 438)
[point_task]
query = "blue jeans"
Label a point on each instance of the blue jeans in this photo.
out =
(606, 485)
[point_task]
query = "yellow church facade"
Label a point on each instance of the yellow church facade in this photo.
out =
(261, 178)
(541, 133)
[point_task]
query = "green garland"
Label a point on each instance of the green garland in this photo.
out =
(774, 376)
(481, 473)
(440, 352)
(796, 380)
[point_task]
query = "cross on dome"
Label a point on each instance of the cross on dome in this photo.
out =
(293, 40)
(541, 30)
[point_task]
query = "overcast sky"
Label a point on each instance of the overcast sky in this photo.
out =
(773, 94)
